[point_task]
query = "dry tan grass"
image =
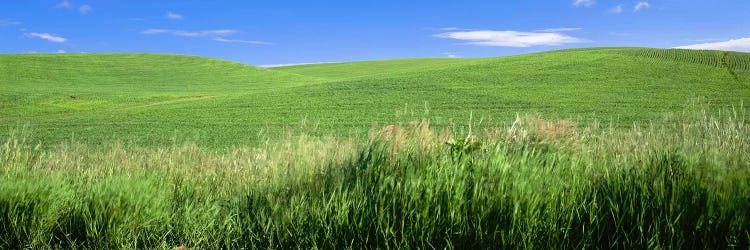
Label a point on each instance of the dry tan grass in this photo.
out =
(413, 137)
(557, 130)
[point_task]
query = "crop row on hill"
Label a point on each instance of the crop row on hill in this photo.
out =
(739, 61)
(734, 60)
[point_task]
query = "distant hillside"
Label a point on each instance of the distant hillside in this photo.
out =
(36, 84)
(151, 98)
(737, 61)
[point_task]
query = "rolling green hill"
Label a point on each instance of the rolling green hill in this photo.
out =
(152, 99)
(148, 151)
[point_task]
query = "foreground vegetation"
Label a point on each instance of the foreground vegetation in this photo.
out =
(680, 183)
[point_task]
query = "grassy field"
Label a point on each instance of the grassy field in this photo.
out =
(613, 148)
(153, 99)
(684, 183)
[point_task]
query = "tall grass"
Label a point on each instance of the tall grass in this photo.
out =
(532, 183)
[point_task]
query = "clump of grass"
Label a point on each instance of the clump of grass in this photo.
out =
(534, 183)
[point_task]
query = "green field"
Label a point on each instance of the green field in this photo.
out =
(604, 148)
(150, 99)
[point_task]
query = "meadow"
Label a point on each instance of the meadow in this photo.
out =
(584, 148)
(531, 184)
(151, 99)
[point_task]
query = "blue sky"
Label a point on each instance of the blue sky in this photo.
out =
(281, 32)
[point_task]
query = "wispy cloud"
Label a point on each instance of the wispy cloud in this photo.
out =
(586, 3)
(511, 38)
(64, 5)
(173, 16)
(47, 36)
(742, 45)
(224, 40)
(201, 33)
(616, 10)
(642, 5)
(704, 40)
(215, 35)
(85, 9)
(451, 55)
(8, 22)
(559, 30)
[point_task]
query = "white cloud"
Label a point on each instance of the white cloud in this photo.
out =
(201, 33)
(642, 5)
(224, 40)
(587, 3)
(174, 16)
(705, 40)
(47, 36)
(85, 9)
(741, 45)
(215, 35)
(9, 23)
(559, 30)
(451, 55)
(64, 4)
(510, 38)
(616, 10)
(449, 28)
(61, 51)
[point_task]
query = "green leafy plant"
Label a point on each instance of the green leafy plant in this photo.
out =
(462, 146)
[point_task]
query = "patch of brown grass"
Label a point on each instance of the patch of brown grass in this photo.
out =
(557, 130)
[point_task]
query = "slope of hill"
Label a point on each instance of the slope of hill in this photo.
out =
(55, 83)
(151, 99)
